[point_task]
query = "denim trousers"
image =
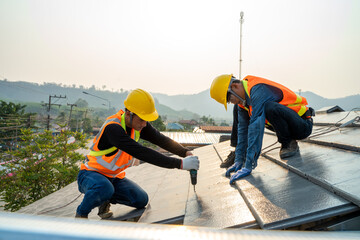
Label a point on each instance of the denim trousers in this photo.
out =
(234, 137)
(99, 188)
(287, 124)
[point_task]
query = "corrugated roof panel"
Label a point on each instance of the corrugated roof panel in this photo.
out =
(336, 117)
(62, 203)
(327, 166)
(169, 202)
(188, 138)
(281, 199)
(215, 203)
(347, 136)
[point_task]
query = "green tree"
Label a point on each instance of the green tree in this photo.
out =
(159, 124)
(81, 103)
(42, 164)
(12, 119)
(86, 126)
(61, 118)
(207, 120)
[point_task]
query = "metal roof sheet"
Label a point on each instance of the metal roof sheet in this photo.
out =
(320, 183)
(215, 203)
(336, 118)
(189, 138)
(331, 167)
(279, 198)
(332, 137)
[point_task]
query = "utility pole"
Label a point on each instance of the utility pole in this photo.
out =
(71, 107)
(49, 108)
(241, 22)
(84, 111)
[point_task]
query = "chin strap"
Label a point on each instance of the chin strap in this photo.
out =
(243, 101)
(131, 118)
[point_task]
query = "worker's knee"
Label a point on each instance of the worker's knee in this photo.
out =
(141, 200)
(106, 192)
(271, 110)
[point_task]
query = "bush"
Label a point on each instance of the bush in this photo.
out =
(42, 164)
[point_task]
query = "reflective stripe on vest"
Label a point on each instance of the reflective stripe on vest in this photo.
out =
(112, 149)
(290, 99)
(111, 166)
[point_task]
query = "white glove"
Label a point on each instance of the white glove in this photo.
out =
(190, 162)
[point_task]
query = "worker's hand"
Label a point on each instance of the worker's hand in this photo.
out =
(189, 153)
(190, 162)
(234, 168)
(239, 174)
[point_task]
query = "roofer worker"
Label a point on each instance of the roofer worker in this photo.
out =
(102, 177)
(261, 102)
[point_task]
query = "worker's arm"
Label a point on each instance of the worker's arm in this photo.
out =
(242, 133)
(114, 135)
(151, 134)
(260, 94)
(242, 141)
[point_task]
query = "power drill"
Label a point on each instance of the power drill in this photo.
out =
(193, 177)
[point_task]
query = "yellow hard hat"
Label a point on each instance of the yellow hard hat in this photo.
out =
(219, 88)
(142, 104)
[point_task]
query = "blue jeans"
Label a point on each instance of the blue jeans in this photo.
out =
(234, 137)
(287, 123)
(99, 188)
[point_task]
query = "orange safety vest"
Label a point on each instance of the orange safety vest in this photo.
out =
(290, 99)
(110, 166)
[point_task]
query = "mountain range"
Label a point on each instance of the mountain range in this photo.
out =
(175, 107)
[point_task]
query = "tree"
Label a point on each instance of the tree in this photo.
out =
(86, 126)
(81, 103)
(61, 118)
(12, 119)
(207, 120)
(11, 108)
(42, 164)
(159, 124)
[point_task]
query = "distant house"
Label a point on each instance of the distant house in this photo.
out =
(189, 122)
(174, 126)
(216, 129)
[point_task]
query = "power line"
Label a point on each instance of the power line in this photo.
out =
(49, 107)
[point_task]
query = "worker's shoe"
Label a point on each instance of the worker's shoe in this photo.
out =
(289, 150)
(104, 210)
(80, 216)
(229, 160)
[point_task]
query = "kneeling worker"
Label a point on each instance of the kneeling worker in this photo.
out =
(102, 177)
(261, 101)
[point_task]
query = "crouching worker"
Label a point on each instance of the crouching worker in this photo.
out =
(102, 177)
(261, 101)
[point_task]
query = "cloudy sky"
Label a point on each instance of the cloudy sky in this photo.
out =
(179, 46)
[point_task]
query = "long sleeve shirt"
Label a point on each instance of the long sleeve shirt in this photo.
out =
(251, 129)
(115, 135)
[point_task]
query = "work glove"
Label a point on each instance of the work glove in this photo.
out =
(190, 162)
(239, 174)
(233, 168)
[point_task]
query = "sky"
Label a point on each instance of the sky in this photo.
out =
(180, 46)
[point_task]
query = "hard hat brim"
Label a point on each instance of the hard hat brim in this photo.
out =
(219, 88)
(149, 117)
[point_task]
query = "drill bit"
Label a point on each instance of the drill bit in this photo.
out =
(193, 177)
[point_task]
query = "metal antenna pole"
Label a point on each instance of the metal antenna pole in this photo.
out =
(241, 22)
